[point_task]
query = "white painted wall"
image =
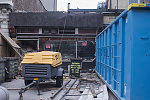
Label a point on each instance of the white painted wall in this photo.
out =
(76, 31)
(50, 5)
(6, 1)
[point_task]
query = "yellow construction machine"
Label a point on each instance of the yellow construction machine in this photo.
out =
(42, 66)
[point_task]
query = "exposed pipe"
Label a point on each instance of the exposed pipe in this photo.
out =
(76, 49)
(68, 6)
(52, 97)
(66, 92)
(117, 4)
(110, 4)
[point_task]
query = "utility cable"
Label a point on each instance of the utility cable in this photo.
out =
(63, 32)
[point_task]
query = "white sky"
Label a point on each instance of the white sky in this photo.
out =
(81, 4)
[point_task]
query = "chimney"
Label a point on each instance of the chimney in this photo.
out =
(68, 6)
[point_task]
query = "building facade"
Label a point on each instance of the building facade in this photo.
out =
(8, 47)
(28, 5)
(122, 4)
(5, 9)
(57, 31)
(139, 1)
(117, 4)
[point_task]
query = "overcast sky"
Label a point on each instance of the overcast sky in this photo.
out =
(81, 4)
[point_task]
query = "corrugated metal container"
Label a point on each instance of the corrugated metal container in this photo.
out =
(76, 66)
(2, 70)
(123, 54)
(16, 64)
(11, 67)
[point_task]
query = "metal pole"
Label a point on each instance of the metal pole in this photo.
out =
(52, 97)
(68, 90)
(21, 97)
(38, 45)
(73, 95)
(117, 4)
(138, 1)
(38, 88)
(56, 6)
(76, 49)
(25, 89)
(110, 4)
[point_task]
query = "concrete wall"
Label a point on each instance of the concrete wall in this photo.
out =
(133, 1)
(143, 1)
(3, 47)
(108, 19)
(6, 50)
(4, 19)
(122, 4)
